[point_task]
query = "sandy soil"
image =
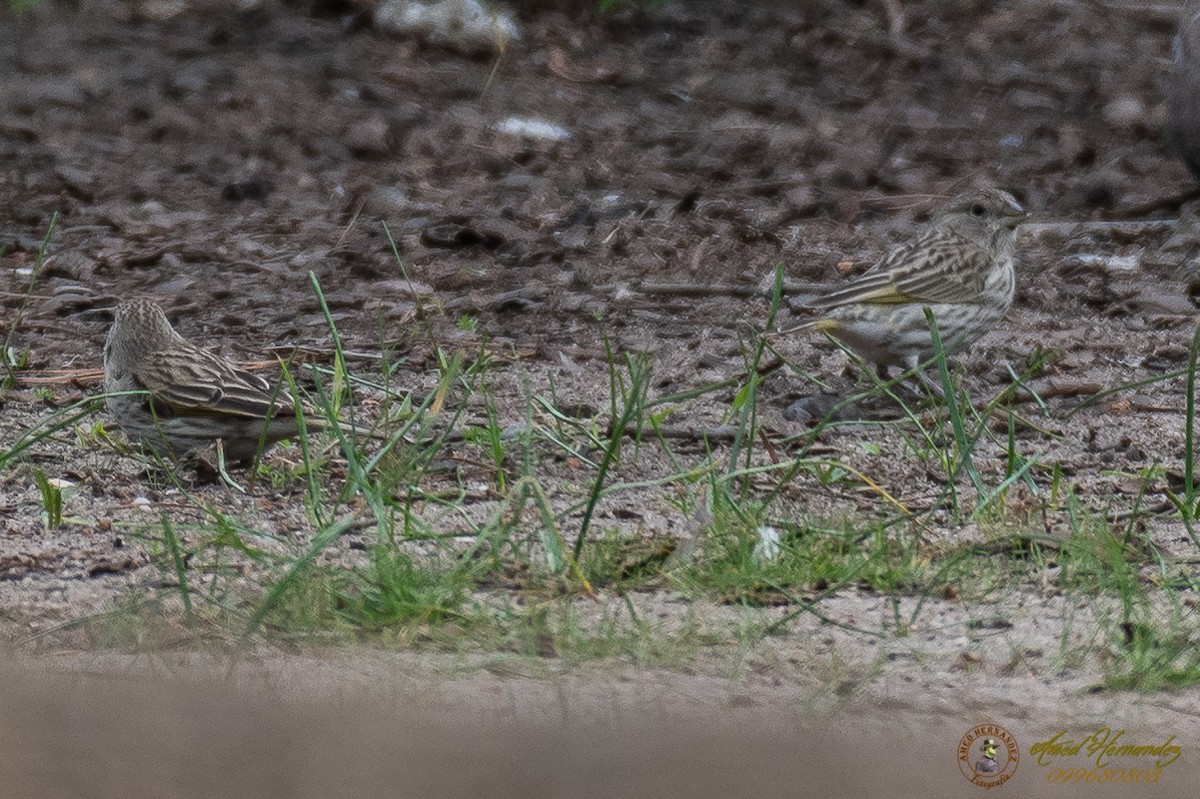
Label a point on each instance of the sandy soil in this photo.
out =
(213, 159)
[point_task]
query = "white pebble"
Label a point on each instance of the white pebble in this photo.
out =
(1124, 112)
(532, 129)
(767, 546)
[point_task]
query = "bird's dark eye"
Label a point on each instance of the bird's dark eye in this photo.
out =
(978, 210)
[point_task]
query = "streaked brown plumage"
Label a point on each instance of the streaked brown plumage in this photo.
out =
(188, 397)
(961, 268)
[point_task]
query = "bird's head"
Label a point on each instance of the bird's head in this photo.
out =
(981, 215)
(139, 327)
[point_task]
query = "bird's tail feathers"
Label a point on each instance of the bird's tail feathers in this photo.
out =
(815, 324)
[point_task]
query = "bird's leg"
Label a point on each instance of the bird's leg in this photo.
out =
(933, 386)
(225, 478)
(908, 387)
(915, 368)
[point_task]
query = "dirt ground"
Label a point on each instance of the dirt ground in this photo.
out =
(213, 159)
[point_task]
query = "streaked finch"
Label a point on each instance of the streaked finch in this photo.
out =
(1182, 127)
(961, 267)
(188, 397)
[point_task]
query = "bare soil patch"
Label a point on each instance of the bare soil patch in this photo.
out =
(214, 159)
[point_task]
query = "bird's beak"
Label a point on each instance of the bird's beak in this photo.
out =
(1014, 215)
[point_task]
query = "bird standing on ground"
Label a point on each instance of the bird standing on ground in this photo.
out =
(187, 397)
(1181, 130)
(961, 268)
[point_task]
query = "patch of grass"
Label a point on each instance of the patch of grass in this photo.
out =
(393, 590)
(11, 359)
(623, 563)
(426, 518)
(490, 437)
(574, 632)
(1188, 504)
(52, 499)
(627, 398)
(1146, 647)
(20, 7)
(61, 420)
(1148, 655)
(1094, 558)
(815, 558)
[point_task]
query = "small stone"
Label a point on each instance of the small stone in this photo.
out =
(1028, 99)
(68, 298)
(529, 128)
(1124, 112)
(808, 410)
(54, 91)
(465, 26)
(248, 189)
(767, 548)
(520, 180)
(162, 9)
(70, 264)
(79, 182)
(1109, 263)
(386, 201)
(368, 138)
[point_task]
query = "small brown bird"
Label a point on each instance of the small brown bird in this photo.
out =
(1181, 130)
(188, 398)
(961, 268)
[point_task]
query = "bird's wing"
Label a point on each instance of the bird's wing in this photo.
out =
(932, 268)
(207, 384)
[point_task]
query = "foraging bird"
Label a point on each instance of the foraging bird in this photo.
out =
(961, 267)
(188, 397)
(1181, 130)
